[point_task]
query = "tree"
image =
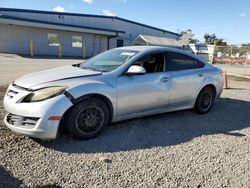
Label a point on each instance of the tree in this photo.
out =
(213, 40)
(246, 44)
(194, 41)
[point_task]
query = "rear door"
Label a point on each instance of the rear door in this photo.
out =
(187, 74)
(147, 92)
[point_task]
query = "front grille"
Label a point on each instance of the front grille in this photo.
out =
(21, 121)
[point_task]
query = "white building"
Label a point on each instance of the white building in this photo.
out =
(34, 32)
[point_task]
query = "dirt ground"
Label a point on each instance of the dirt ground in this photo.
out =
(236, 69)
(179, 149)
(14, 66)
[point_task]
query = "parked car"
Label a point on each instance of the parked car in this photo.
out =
(118, 84)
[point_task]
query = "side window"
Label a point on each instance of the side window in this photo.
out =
(152, 63)
(176, 61)
(198, 64)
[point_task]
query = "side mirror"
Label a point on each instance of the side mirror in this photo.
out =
(135, 69)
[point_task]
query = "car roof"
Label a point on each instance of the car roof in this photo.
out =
(138, 48)
(142, 48)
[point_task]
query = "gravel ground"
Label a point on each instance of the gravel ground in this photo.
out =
(180, 149)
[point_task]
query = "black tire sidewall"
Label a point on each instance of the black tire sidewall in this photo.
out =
(197, 108)
(72, 115)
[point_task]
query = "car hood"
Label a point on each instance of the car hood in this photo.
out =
(55, 74)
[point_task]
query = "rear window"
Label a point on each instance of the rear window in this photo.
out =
(176, 61)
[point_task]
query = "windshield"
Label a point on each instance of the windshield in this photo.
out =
(108, 61)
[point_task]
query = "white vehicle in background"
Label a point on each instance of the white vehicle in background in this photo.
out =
(118, 84)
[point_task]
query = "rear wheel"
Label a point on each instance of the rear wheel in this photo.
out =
(204, 101)
(87, 119)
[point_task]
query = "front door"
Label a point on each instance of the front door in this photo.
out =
(147, 92)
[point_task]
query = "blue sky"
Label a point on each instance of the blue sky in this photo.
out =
(229, 19)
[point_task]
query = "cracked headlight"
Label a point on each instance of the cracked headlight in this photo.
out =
(44, 93)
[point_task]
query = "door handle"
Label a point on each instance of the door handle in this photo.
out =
(200, 74)
(165, 79)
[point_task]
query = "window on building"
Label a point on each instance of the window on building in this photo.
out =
(76, 41)
(119, 43)
(53, 39)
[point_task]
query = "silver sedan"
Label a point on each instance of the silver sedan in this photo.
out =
(118, 84)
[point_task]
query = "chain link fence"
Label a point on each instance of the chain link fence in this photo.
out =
(233, 59)
(232, 54)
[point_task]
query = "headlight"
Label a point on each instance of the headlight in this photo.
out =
(43, 94)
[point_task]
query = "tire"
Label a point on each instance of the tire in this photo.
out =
(204, 101)
(87, 119)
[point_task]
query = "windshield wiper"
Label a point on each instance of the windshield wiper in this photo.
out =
(76, 65)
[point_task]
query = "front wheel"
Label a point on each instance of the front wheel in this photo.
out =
(204, 101)
(87, 119)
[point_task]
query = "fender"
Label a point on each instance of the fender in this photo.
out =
(92, 87)
(206, 81)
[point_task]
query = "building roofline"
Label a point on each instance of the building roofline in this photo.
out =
(148, 26)
(58, 24)
(86, 15)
